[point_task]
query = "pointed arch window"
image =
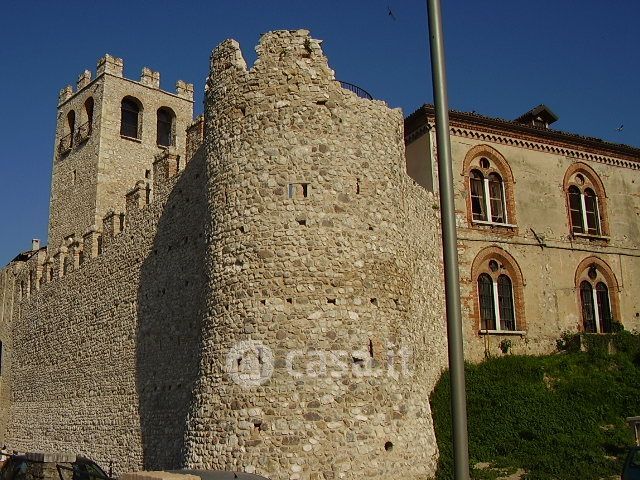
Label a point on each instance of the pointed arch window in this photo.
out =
(497, 206)
(487, 197)
(487, 304)
(496, 300)
(595, 300)
(488, 191)
(478, 201)
(585, 199)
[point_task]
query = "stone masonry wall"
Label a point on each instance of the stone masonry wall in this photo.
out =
(75, 172)
(93, 175)
(7, 295)
(295, 226)
(106, 355)
(319, 241)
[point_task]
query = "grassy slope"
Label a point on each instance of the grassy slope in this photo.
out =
(559, 417)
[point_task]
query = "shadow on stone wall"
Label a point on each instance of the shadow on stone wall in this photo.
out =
(171, 301)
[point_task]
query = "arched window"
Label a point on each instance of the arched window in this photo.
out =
(478, 199)
(487, 304)
(499, 290)
(67, 131)
(490, 187)
(71, 127)
(166, 127)
(496, 198)
(487, 196)
(594, 280)
(131, 118)
(88, 110)
(585, 201)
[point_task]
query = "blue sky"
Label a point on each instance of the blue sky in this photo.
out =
(504, 57)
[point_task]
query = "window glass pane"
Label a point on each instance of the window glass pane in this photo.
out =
(591, 208)
(129, 119)
(575, 209)
(496, 198)
(505, 302)
(477, 196)
(604, 307)
(487, 310)
(588, 309)
(164, 128)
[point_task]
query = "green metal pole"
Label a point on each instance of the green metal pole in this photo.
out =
(449, 245)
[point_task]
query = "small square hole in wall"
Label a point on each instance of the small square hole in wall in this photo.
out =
(302, 222)
(298, 190)
(331, 300)
(74, 177)
(147, 174)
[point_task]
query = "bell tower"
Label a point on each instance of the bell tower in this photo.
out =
(108, 131)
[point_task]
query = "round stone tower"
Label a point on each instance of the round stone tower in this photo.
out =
(325, 331)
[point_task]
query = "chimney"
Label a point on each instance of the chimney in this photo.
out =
(35, 244)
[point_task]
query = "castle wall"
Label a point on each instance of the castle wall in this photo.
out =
(321, 243)
(295, 226)
(106, 356)
(7, 293)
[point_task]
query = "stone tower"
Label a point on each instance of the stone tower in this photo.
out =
(107, 133)
(324, 333)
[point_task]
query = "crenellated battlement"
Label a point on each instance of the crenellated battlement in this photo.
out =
(76, 252)
(283, 216)
(114, 66)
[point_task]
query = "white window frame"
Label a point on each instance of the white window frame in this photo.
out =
(487, 203)
(496, 308)
(585, 224)
(596, 309)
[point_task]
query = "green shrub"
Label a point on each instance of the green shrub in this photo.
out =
(558, 416)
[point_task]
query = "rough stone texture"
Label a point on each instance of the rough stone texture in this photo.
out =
(348, 268)
(94, 174)
(111, 350)
(550, 303)
(157, 475)
(295, 226)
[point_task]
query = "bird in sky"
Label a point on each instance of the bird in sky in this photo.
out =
(620, 128)
(390, 12)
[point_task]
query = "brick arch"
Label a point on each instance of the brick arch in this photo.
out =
(493, 155)
(514, 271)
(590, 173)
(502, 167)
(609, 277)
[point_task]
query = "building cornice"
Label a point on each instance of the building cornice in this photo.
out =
(503, 132)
